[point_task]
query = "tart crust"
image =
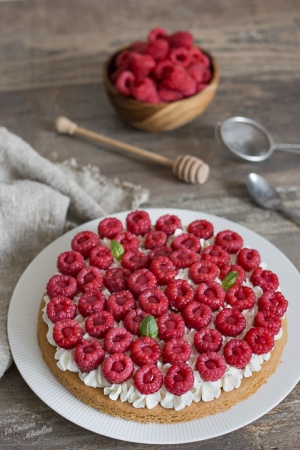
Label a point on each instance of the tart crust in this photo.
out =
(95, 397)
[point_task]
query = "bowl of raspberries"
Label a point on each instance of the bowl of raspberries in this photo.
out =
(161, 83)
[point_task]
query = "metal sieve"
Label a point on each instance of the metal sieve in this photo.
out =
(249, 140)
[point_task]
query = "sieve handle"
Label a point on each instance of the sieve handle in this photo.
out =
(293, 148)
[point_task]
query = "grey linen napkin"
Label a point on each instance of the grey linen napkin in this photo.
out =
(39, 201)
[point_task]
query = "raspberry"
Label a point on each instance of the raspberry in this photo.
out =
(90, 278)
(206, 77)
(70, 263)
(61, 285)
(115, 74)
(176, 350)
(141, 280)
(145, 350)
(198, 72)
(145, 91)
(141, 65)
(201, 229)
(116, 279)
(240, 297)
(266, 319)
(124, 82)
(181, 39)
(231, 241)
(183, 258)
(157, 33)
(67, 333)
(133, 319)
(186, 240)
(180, 293)
(208, 339)
(138, 222)
(237, 353)
(230, 322)
(128, 240)
(161, 69)
(138, 46)
(211, 366)
(168, 223)
(170, 326)
(84, 241)
(180, 55)
(248, 258)
(122, 59)
(101, 257)
(91, 302)
(109, 227)
(154, 302)
(178, 79)
(179, 378)
(117, 340)
(148, 379)
(168, 95)
(274, 302)
(216, 254)
(160, 251)
(266, 279)
(61, 308)
(203, 271)
(88, 355)
(155, 239)
(197, 315)
(134, 260)
(164, 269)
(233, 268)
(158, 49)
(210, 293)
(119, 303)
(198, 56)
(97, 325)
(117, 368)
(260, 340)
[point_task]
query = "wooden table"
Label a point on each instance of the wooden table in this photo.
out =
(51, 57)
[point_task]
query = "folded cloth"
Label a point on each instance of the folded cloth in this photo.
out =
(39, 201)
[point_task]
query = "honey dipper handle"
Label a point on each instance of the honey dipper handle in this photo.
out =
(65, 126)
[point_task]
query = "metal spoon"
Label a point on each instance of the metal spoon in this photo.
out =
(266, 196)
(249, 140)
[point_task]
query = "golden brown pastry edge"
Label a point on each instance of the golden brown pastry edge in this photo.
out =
(95, 397)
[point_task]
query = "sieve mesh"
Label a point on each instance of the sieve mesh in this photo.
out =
(244, 138)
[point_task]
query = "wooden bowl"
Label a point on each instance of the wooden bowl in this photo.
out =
(160, 116)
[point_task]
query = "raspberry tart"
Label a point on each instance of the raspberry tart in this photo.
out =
(161, 321)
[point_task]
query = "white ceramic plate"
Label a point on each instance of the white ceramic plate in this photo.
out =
(22, 331)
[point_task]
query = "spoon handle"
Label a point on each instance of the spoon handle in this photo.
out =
(293, 148)
(295, 216)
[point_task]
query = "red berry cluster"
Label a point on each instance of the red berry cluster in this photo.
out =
(165, 68)
(116, 292)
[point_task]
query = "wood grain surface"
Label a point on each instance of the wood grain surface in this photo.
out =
(51, 58)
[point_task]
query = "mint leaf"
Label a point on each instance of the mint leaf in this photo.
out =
(148, 327)
(117, 249)
(229, 280)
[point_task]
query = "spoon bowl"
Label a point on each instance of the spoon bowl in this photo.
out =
(249, 140)
(266, 196)
(262, 192)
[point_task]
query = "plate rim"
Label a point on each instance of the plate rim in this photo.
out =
(152, 433)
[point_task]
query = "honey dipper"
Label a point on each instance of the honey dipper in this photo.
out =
(185, 167)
